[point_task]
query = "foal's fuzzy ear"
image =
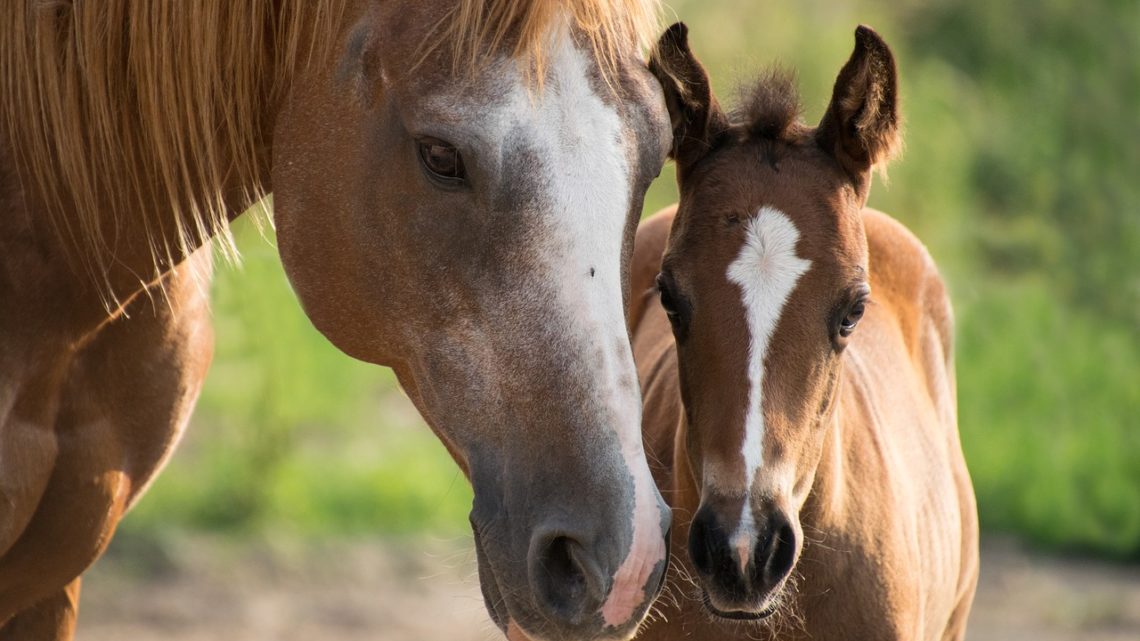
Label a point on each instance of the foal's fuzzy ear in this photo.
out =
(698, 121)
(861, 126)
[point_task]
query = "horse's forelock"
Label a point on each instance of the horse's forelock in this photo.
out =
(476, 30)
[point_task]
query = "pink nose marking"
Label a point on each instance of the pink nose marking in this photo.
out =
(743, 545)
(515, 633)
(629, 589)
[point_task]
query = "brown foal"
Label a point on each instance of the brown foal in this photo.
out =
(798, 376)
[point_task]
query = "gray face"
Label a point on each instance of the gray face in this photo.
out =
(473, 234)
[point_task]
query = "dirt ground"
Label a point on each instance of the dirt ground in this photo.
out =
(199, 589)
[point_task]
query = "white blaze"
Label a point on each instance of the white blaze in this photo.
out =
(767, 270)
(589, 192)
(583, 179)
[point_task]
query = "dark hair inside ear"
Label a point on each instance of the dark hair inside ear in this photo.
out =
(699, 124)
(861, 125)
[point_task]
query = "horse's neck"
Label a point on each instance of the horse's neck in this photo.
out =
(157, 226)
(135, 241)
(132, 161)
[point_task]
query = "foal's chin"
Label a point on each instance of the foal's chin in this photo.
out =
(757, 610)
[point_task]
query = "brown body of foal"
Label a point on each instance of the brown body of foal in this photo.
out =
(890, 525)
(799, 404)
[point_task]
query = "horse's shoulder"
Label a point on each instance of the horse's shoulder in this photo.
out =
(648, 247)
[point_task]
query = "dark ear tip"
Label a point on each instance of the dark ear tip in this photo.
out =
(677, 35)
(868, 39)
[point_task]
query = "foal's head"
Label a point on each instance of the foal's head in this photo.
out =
(764, 281)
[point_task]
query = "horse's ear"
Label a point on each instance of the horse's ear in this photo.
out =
(861, 126)
(698, 121)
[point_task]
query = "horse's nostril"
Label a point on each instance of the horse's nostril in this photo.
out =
(560, 562)
(567, 582)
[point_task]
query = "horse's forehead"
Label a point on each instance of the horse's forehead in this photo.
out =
(503, 105)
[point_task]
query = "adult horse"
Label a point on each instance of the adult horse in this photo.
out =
(798, 374)
(456, 186)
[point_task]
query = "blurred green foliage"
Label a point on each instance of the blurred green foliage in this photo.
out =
(1021, 173)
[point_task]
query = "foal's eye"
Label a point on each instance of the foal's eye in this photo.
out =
(667, 300)
(852, 318)
(674, 307)
(442, 160)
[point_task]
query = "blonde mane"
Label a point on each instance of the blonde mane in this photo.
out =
(477, 28)
(99, 97)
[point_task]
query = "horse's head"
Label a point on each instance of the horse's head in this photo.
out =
(764, 281)
(470, 227)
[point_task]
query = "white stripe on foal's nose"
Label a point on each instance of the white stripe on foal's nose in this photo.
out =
(767, 270)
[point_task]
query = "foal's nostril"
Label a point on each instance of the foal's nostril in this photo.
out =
(702, 542)
(713, 557)
(776, 554)
(568, 583)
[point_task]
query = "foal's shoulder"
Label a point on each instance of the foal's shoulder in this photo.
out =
(905, 278)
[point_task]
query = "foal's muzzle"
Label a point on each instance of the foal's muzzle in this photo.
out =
(742, 569)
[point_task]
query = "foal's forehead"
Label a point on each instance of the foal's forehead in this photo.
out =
(811, 192)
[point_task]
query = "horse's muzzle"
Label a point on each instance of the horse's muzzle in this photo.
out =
(571, 574)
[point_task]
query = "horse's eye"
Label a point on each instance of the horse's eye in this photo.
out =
(442, 160)
(854, 315)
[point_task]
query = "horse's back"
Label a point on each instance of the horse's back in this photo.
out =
(911, 418)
